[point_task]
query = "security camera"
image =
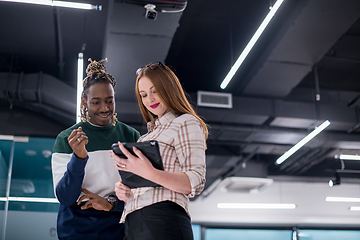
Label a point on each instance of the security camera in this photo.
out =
(151, 13)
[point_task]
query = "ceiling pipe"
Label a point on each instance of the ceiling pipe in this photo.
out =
(294, 162)
(316, 160)
(306, 161)
(354, 102)
(317, 88)
(60, 47)
(41, 93)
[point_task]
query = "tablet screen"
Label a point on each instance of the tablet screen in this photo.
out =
(151, 150)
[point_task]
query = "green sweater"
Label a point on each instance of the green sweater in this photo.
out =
(96, 173)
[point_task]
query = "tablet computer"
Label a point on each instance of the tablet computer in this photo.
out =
(151, 150)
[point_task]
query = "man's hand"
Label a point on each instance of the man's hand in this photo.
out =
(95, 201)
(77, 141)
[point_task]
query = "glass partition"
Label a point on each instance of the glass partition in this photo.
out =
(31, 184)
(6, 146)
(247, 234)
(27, 197)
(196, 231)
(305, 234)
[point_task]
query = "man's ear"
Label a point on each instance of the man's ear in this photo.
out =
(83, 101)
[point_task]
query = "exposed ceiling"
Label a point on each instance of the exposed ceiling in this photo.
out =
(309, 48)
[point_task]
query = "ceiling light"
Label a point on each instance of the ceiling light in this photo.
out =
(29, 199)
(257, 205)
(354, 208)
(302, 142)
(6, 137)
(347, 157)
(30, 152)
(84, 6)
(342, 199)
(46, 153)
(336, 181)
(250, 44)
(80, 73)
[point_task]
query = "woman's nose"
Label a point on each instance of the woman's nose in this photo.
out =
(151, 97)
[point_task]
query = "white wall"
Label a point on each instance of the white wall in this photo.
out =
(309, 197)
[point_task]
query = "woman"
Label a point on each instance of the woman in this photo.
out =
(82, 170)
(162, 212)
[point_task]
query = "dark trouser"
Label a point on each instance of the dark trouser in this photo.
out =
(160, 221)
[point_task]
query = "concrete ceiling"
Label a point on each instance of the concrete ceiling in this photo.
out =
(309, 48)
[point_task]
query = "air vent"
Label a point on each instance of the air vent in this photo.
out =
(244, 184)
(214, 99)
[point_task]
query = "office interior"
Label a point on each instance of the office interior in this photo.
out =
(301, 71)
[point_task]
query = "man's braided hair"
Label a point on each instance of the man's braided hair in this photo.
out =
(95, 73)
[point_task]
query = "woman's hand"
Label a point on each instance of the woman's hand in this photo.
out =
(95, 201)
(77, 141)
(139, 164)
(122, 192)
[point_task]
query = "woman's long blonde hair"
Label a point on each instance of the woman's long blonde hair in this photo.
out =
(169, 90)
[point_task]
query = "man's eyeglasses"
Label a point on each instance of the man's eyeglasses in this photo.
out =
(152, 66)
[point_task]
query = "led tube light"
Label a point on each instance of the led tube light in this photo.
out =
(84, 6)
(302, 142)
(29, 199)
(257, 205)
(349, 157)
(250, 44)
(342, 199)
(80, 73)
(354, 208)
(6, 137)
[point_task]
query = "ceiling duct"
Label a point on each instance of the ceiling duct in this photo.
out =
(214, 99)
(244, 184)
